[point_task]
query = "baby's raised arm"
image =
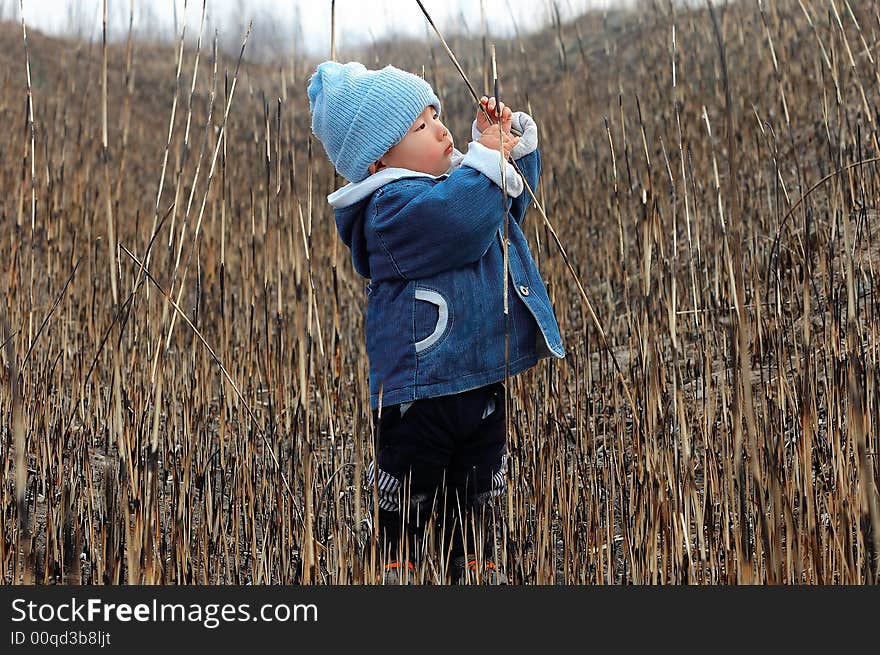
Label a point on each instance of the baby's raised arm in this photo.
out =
(492, 139)
(497, 111)
(495, 135)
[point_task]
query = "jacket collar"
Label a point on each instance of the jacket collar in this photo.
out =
(354, 192)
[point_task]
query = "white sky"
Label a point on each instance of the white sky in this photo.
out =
(356, 20)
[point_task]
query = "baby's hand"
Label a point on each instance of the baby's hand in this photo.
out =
(495, 110)
(491, 138)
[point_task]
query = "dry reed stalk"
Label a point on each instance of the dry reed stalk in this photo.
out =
(29, 158)
(171, 120)
(185, 149)
(126, 107)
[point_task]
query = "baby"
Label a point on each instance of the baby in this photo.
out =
(425, 224)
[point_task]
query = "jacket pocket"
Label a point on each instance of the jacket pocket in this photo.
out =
(423, 318)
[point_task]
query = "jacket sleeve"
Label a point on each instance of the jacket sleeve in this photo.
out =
(527, 158)
(530, 166)
(425, 227)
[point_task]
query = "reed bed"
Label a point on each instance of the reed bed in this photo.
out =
(184, 394)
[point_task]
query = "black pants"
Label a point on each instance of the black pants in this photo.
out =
(442, 462)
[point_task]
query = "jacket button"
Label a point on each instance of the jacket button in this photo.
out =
(524, 290)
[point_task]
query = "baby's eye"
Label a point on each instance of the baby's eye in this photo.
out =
(421, 127)
(436, 116)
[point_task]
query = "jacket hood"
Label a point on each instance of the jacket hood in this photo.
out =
(350, 203)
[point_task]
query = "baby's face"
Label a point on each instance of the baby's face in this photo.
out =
(426, 148)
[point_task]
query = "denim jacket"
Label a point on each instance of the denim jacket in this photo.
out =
(432, 248)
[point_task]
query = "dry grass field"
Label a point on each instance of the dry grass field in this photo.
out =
(184, 389)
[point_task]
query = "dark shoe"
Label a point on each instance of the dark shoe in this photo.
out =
(465, 571)
(399, 573)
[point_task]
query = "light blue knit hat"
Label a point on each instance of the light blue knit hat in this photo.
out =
(359, 114)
